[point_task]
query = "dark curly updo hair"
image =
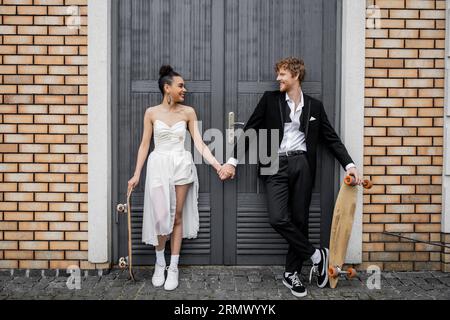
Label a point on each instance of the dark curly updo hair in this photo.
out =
(166, 74)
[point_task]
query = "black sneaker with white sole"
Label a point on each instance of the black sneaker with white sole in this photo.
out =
(321, 269)
(293, 282)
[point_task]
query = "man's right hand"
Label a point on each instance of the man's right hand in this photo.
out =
(227, 171)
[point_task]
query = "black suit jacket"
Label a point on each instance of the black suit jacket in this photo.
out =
(270, 114)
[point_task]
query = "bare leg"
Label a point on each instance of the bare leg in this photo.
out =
(161, 243)
(177, 234)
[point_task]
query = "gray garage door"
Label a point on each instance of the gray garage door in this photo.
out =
(225, 51)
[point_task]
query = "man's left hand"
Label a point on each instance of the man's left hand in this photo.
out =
(354, 172)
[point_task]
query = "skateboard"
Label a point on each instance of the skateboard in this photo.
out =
(127, 262)
(341, 228)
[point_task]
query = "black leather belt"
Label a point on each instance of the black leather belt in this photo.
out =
(291, 153)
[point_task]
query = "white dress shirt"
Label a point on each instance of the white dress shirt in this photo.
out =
(293, 138)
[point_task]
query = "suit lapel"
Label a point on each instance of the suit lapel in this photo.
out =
(304, 117)
(281, 106)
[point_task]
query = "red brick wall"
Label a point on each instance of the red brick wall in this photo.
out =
(404, 134)
(43, 125)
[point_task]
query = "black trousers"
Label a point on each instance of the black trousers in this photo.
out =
(288, 198)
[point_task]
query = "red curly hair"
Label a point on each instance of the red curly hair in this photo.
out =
(294, 65)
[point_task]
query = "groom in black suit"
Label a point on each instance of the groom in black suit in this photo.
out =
(302, 123)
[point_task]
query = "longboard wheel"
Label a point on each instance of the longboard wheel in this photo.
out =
(123, 263)
(121, 207)
(350, 180)
(351, 273)
(367, 184)
(333, 272)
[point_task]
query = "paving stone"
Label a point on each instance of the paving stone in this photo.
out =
(3, 296)
(5, 273)
(438, 274)
(435, 282)
(19, 272)
(230, 286)
(423, 284)
(445, 280)
(254, 278)
(34, 273)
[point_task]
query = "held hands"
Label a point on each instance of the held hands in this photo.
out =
(227, 171)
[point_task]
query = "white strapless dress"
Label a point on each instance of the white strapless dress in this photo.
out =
(168, 165)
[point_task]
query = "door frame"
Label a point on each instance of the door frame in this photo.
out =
(102, 138)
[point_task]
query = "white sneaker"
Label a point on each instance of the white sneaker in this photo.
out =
(172, 279)
(158, 275)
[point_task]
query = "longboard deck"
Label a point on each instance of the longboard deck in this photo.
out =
(127, 262)
(341, 227)
(130, 248)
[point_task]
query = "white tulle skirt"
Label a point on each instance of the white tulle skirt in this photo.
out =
(165, 170)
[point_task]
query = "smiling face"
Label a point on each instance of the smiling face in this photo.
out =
(286, 79)
(177, 90)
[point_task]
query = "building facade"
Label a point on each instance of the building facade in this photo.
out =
(63, 87)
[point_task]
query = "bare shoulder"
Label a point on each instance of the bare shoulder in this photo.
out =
(151, 109)
(188, 111)
(151, 112)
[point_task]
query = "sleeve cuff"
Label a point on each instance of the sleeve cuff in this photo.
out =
(233, 162)
(350, 165)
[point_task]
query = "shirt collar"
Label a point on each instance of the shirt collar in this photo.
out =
(302, 100)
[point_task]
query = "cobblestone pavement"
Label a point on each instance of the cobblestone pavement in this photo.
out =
(216, 283)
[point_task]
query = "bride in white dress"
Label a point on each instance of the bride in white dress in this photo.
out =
(171, 186)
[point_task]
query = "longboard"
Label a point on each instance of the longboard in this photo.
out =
(127, 262)
(341, 228)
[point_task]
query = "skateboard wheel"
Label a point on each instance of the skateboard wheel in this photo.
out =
(350, 180)
(121, 207)
(333, 272)
(367, 184)
(123, 263)
(351, 273)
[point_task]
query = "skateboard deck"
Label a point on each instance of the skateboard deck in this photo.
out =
(341, 228)
(127, 262)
